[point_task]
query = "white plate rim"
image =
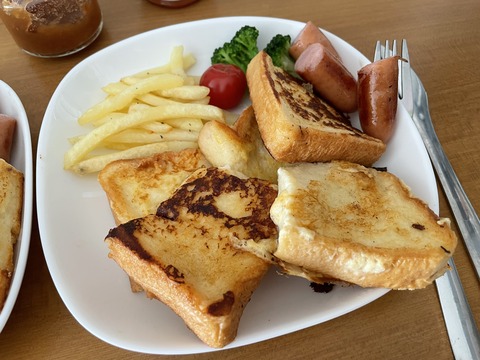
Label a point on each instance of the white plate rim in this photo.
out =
(10, 104)
(42, 150)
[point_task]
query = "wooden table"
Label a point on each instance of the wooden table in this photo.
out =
(444, 42)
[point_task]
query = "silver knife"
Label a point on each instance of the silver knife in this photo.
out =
(461, 327)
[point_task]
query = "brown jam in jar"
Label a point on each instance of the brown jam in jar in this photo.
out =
(52, 28)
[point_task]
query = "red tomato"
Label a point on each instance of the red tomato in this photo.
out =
(227, 84)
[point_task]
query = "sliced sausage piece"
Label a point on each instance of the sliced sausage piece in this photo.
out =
(7, 129)
(310, 34)
(328, 76)
(378, 97)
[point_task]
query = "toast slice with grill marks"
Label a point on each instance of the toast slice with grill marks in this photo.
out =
(183, 255)
(298, 126)
(357, 225)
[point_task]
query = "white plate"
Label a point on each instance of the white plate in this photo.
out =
(21, 158)
(74, 216)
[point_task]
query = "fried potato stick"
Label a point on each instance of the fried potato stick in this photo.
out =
(122, 99)
(97, 163)
(141, 136)
(91, 140)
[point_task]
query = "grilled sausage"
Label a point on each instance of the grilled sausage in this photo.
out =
(378, 97)
(7, 129)
(328, 76)
(310, 34)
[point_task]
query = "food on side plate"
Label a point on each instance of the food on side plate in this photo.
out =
(328, 76)
(227, 84)
(7, 130)
(11, 200)
(310, 34)
(297, 126)
(183, 256)
(378, 97)
(238, 147)
(161, 109)
(135, 187)
(343, 222)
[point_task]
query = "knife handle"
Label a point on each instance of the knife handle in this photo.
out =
(461, 327)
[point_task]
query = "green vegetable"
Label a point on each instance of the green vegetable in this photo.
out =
(243, 47)
(278, 48)
(240, 50)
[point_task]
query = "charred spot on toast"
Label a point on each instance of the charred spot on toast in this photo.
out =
(203, 196)
(126, 234)
(224, 306)
(324, 288)
(418, 226)
(447, 251)
(174, 274)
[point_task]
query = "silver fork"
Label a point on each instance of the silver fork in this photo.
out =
(461, 327)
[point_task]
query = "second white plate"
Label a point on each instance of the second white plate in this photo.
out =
(10, 104)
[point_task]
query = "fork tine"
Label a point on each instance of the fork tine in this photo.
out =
(401, 71)
(405, 89)
(405, 50)
(404, 79)
(378, 51)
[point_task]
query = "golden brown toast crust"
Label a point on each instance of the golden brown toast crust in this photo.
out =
(359, 225)
(135, 187)
(183, 255)
(11, 200)
(298, 126)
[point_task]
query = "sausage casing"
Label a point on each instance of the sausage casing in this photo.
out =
(310, 34)
(328, 76)
(378, 97)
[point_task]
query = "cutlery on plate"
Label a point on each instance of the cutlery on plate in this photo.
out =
(461, 327)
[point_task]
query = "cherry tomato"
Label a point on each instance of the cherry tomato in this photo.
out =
(227, 84)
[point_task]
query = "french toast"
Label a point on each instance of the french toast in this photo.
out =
(298, 126)
(239, 147)
(182, 255)
(135, 187)
(342, 222)
(11, 200)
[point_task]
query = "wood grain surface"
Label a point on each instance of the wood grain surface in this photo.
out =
(444, 43)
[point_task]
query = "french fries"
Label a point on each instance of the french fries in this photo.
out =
(97, 163)
(125, 97)
(156, 110)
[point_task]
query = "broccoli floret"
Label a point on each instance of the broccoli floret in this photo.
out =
(278, 48)
(240, 50)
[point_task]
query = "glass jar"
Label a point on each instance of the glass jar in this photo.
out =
(173, 3)
(52, 28)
